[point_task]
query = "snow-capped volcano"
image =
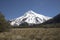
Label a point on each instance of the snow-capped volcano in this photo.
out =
(30, 17)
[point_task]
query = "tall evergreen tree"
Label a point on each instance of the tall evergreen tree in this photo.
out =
(3, 23)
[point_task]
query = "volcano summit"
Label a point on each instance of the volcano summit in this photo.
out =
(30, 17)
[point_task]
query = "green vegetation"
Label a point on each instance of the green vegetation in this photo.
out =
(4, 25)
(25, 25)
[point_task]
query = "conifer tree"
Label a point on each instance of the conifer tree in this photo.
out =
(3, 23)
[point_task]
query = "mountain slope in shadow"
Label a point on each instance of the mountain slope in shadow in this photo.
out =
(55, 19)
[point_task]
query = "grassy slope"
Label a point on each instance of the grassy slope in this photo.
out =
(31, 34)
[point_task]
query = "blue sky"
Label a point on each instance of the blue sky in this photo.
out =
(15, 8)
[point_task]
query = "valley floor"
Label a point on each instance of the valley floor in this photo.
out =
(31, 34)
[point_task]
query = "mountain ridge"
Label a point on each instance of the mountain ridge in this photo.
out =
(30, 17)
(55, 19)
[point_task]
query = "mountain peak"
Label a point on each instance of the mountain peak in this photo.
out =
(30, 17)
(30, 12)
